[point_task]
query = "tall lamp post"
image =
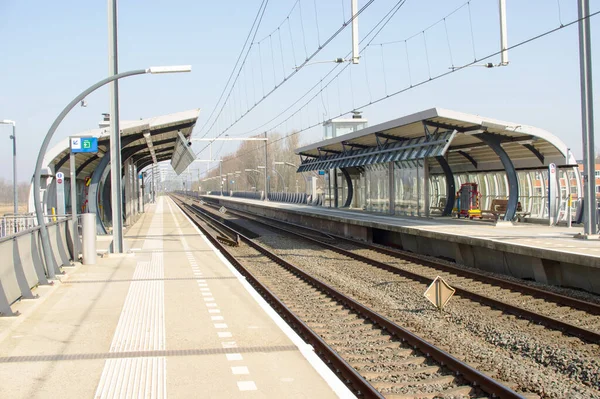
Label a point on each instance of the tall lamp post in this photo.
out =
(47, 251)
(14, 139)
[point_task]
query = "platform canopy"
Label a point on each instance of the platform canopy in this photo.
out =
(145, 141)
(467, 142)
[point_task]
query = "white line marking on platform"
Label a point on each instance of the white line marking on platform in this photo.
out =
(214, 311)
(205, 289)
(220, 325)
(206, 293)
(216, 318)
(211, 305)
(246, 386)
(234, 356)
(209, 299)
(228, 345)
(240, 370)
(225, 334)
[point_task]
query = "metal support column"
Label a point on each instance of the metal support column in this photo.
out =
(494, 142)
(266, 169)
(74, 228)
(115, 135)
(391, 188)
(418, 191)
(426, 187)
(587, 119)
(140, 185)
(350, 188)
(335, 189)
(450, 186)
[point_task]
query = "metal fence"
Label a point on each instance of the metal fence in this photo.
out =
(11, 224)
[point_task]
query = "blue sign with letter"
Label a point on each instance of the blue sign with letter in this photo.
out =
(84, 144)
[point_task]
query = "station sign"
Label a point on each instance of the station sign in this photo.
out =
(60, 193)
(321, 172)
(84, 144)
(60, 177)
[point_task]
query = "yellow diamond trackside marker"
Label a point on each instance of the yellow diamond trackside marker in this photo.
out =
(439, 293)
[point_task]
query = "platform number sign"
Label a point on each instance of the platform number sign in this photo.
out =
(84, 144)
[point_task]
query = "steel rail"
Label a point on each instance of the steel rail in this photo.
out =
(550, 322)
(579, 304)
(486, 383)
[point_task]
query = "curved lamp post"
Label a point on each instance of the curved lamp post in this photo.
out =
(294, 166)
(38, 166)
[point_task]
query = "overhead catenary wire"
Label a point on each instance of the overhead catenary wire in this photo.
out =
(310, 57)
(258, 18)
(490, 55)
(365, 38)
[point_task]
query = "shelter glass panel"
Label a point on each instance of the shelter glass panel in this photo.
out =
(409, 189)
(377, 183)
(437, 194)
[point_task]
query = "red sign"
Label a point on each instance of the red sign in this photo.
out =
(59, 181)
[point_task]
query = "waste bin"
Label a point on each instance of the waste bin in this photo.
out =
(88, 238)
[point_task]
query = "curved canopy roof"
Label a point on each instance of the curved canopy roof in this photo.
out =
(139, 139)
(457, 136)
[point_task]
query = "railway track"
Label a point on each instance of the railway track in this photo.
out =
(568, 315)
(372, 354)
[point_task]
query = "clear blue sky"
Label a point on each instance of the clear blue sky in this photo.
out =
(51, 51)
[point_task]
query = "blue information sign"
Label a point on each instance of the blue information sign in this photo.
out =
(321, 172)
(84, 144)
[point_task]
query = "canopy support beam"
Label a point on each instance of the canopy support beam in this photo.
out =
(350, 188)
(450, 186)
(469, 157)
(494, 142)
(535, 152)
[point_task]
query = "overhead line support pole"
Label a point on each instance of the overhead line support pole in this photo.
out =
(266, 171)
(503, 34)
(587, 119)
(115, 136)
(355, 53)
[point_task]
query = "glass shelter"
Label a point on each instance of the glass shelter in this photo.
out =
(144, 143)
(416, 165)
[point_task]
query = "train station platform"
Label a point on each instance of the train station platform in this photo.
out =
(547, 254)
(170, 318)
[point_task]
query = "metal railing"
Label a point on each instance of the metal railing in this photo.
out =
(11, 224)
